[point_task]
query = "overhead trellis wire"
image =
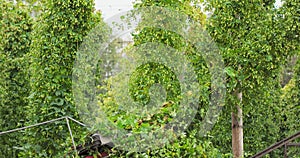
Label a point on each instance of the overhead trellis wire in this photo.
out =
(46, 122)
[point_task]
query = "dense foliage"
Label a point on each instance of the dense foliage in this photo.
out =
(147, 75)
(255, 39)
(15, 35)
(58, 32)
(255, 44)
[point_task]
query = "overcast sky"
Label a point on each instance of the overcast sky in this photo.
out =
(112, 7)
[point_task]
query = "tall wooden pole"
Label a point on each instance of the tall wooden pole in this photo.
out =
(237, 129)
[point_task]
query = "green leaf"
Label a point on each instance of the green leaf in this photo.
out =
(230, 72)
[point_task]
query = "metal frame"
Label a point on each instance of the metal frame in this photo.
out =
(67, 118)
(285, 142)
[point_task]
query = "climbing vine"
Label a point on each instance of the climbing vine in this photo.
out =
(15, 35)
(58, 33)
(254, 38)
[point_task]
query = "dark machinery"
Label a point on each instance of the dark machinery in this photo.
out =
(96, 144)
